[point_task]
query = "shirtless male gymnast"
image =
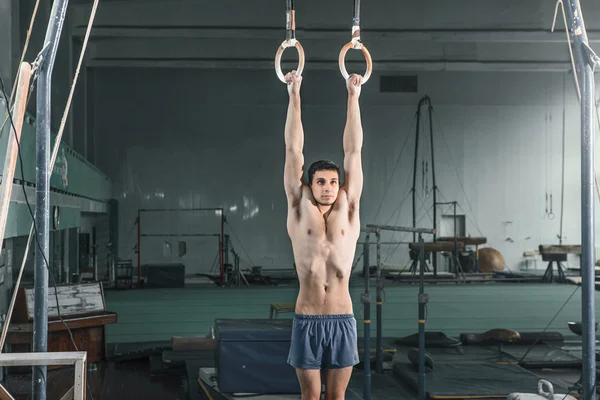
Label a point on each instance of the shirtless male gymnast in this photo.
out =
(324, 225)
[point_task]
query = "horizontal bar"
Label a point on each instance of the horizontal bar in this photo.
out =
(181, 235)
(180, 209)
(49, 358)
(374, 242)
(377, 228)
(469, 279)
(446, 203)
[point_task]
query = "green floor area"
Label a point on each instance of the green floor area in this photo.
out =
(158, 314)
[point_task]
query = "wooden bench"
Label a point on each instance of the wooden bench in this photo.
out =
(82, 309)
(277, 308)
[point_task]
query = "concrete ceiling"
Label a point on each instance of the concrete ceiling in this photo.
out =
(511, 35)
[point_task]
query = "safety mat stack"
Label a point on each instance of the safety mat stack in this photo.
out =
(459, 381)
(491, 364)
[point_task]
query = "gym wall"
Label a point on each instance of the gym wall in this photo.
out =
(211, 138)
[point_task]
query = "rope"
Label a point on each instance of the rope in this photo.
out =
(562, 179)
(569, 40)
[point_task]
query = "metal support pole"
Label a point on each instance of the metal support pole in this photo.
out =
(379, 300)
(434, 186)
(423, 298)
(588, 241)
(222, 248)
(584, 61)
(139, 247)
(42, 191)
(454, 249)
(422, 101)
(226, 251)
(95, 254)
(366, 300)
(414, 184)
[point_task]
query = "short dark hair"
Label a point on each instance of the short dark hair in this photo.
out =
(322, 165)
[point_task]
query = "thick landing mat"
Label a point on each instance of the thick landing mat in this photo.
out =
(542, 356)
(136, 351)
(206, 358)
(566, 377)
(526, 338)
(538, 356)
(473, 381)
(458, 355)
(432, 339)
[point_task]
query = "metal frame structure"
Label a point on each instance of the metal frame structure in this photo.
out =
(424, 99)
(366, 299)
(220, 235)
(585, 61)
(76, 358)
(42, 189)
(455, 262)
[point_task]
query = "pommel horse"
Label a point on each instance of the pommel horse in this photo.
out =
(556, 254)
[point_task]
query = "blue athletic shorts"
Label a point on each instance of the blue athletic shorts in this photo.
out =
(323, 341)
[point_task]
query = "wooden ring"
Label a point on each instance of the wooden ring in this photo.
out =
(355, 44)
(282, 47)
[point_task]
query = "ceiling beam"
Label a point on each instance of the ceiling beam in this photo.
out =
(278, 34)
(388, 66)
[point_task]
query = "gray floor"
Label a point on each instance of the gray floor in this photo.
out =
(383, 387)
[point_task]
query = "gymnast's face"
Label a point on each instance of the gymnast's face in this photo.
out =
(325, 187)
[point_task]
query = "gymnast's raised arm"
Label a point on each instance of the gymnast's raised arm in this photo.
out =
(353, 140)
(294, 141)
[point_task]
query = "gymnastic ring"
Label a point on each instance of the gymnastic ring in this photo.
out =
(355, 44)
(284, 45)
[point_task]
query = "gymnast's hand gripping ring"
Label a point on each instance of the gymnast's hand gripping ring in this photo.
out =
(284, 45)
(355, 43)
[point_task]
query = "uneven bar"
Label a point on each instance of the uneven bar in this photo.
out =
(366, 300)
(378, 228)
